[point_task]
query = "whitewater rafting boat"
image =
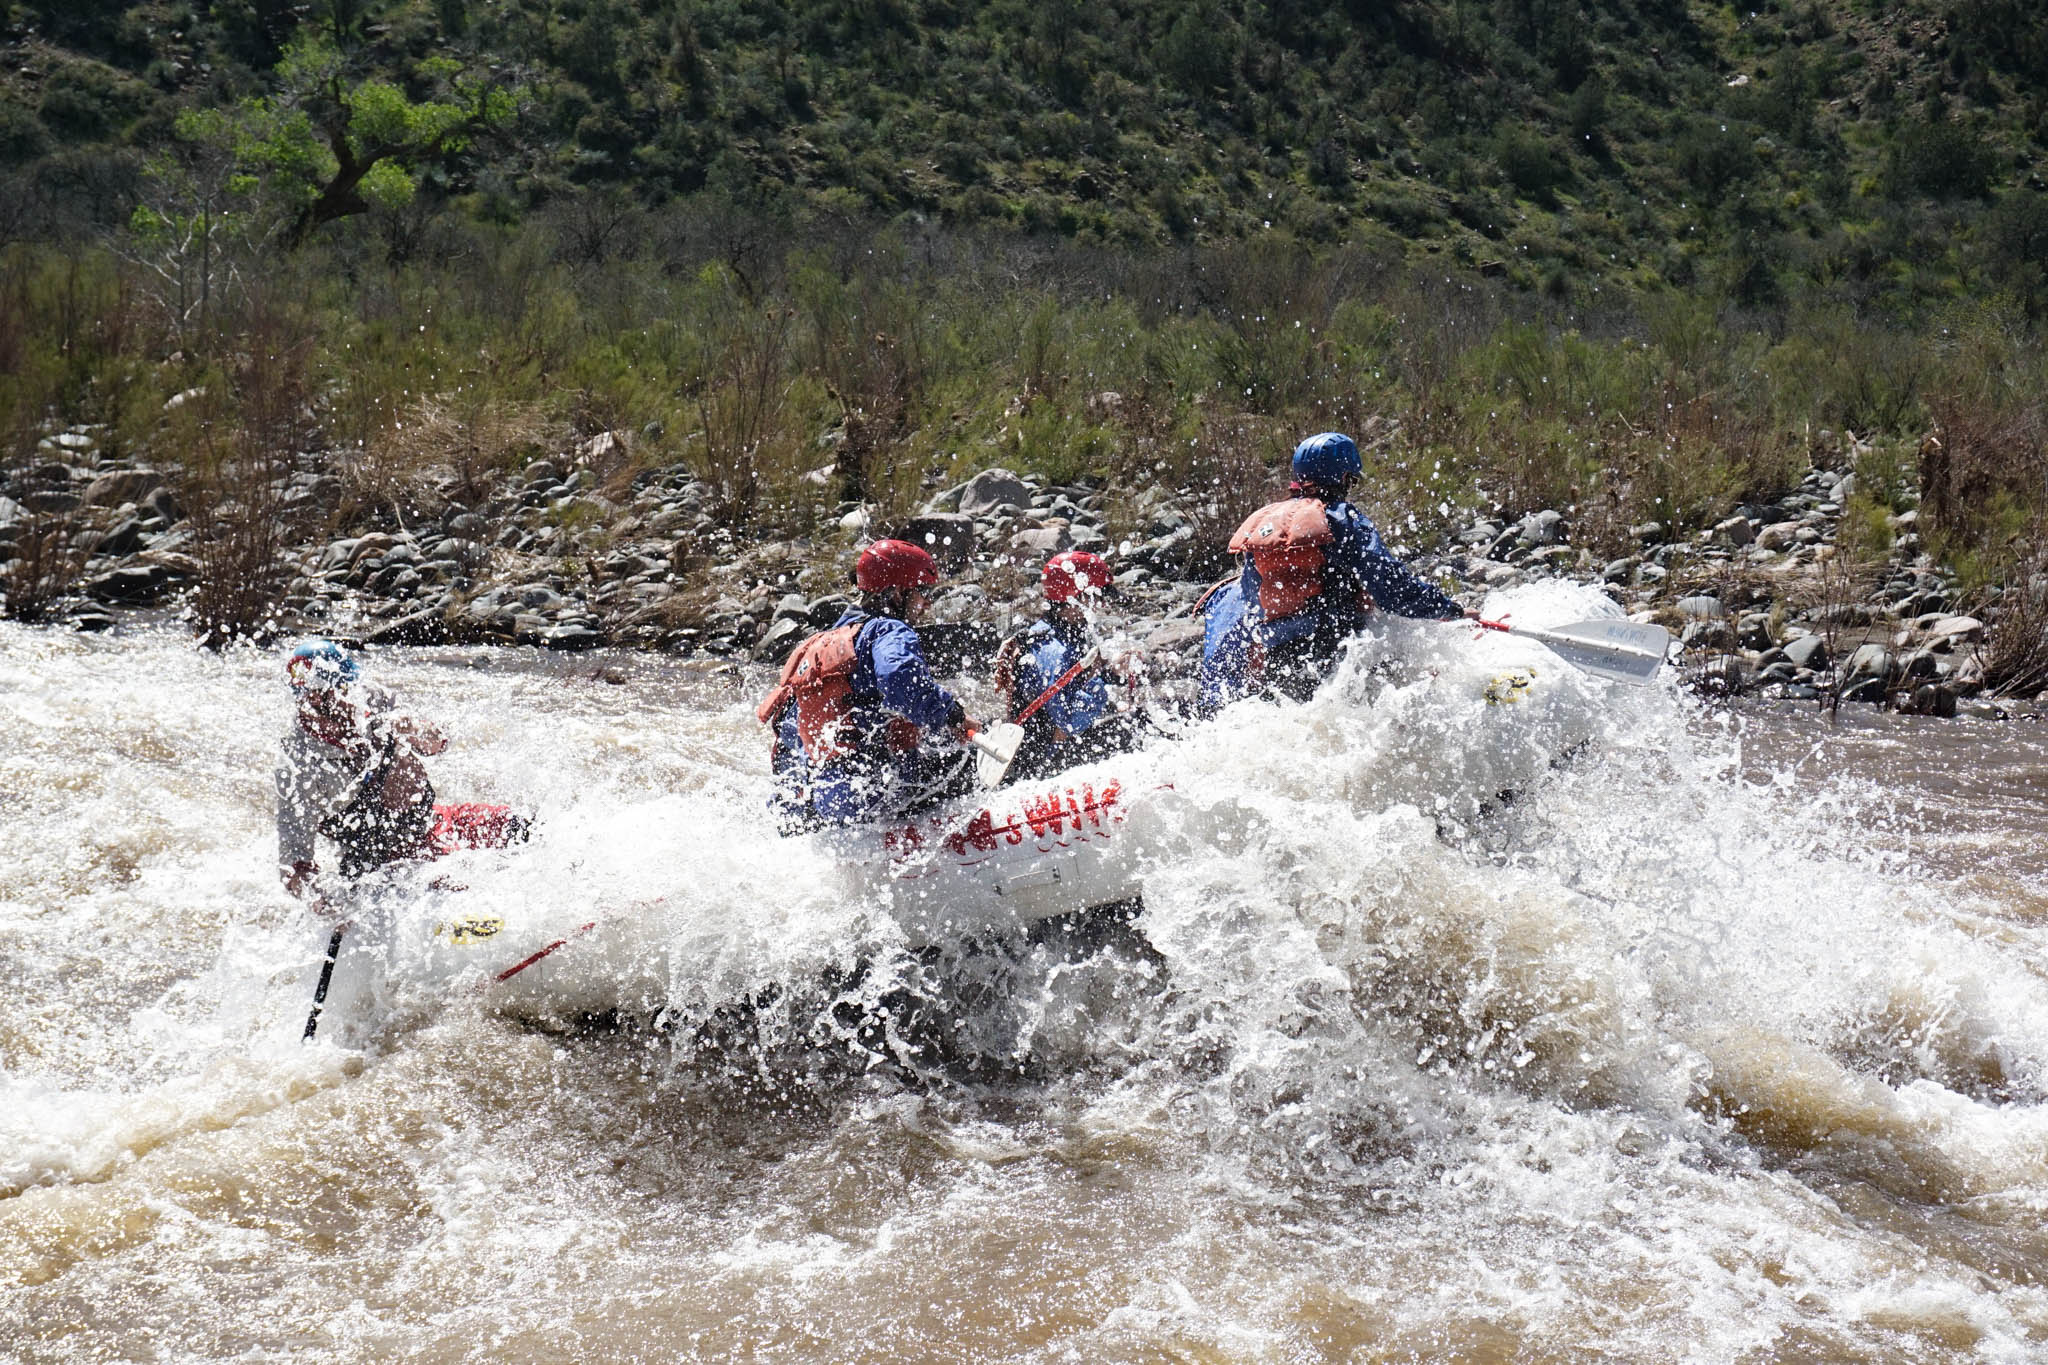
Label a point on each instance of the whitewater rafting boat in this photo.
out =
(1001, 861)
(1000, 864)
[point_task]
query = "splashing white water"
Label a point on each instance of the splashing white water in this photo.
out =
(1540, 1023)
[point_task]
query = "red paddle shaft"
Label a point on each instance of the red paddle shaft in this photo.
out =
(1075, 671)
(519, 967)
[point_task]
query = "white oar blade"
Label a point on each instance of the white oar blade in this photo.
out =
(998, 746)
(1624, 651)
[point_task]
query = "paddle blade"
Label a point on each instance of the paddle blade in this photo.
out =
(998, 746)
(1623, 651)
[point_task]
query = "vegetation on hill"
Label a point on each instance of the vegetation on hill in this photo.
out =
(1625, 258)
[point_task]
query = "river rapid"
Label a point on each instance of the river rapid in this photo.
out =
(1723, 1040)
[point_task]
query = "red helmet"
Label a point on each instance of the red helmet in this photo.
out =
(893, 564)
(1072, 573)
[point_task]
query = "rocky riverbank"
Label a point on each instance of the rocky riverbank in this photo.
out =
(568, 553)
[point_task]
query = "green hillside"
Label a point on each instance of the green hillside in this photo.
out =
(1872, 151)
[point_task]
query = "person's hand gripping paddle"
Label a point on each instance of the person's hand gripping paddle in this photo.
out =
(998, 743)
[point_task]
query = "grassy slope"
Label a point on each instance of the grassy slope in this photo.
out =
(1763, 151)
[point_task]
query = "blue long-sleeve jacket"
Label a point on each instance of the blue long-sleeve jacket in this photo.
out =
(1356, 558)
(1226, 647)
(890, 679)
(1047, 652)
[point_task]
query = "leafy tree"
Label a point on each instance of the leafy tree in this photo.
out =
(1939, 159)
(1199, 49)
(344, 143)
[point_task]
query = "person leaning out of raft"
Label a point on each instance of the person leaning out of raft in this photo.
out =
(1313, 569)
(1077, 723)
(350, 771)
(861, 726)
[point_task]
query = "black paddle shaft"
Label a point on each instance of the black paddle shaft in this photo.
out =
(326, 976)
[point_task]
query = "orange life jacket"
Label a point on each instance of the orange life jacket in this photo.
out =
(1285, 541)
(819, 677)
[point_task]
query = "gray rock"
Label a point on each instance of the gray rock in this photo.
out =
(823, 612)
(1698, 608)
(1647, 532)
(792, 606)
(1541, 528)
(1735, 531)
(992, 489)
(782, 637)
(1920, 664)
(129, 585)
(374, 544)
(965, 603)
(1708, 635)
(1871, 661)
(1958, 629)
(424, 627)
(1754, 630)
(542, 474)
(1481, 533)
(1868, 690)
(1843, 614)
(395, 580)
(1808, 651)
(1779, 536)
(1932, 699)
(122, 485)
(1043, 541)
(948, 536)
(123, 538)
(49, 501)
(947, 501)
(336, 556)
(574, 635)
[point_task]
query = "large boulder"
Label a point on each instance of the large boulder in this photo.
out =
(129, 585)
(117, 486)
(948, 536)
(1735, 531)
(1808, 651)
(1541, 528)
(1872, 661)
(124, 538)
(427, 627)
(993, 489)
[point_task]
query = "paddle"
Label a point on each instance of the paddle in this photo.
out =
(1620, 651)
(520, 966)
(326, 977)
(998, 743)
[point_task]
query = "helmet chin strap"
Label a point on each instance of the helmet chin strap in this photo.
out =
(1325, 492)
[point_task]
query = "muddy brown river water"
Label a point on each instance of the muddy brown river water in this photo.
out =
(1725, 1041)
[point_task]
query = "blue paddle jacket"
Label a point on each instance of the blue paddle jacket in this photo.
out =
(1356, 563)
(1049, 648)
(891, 680)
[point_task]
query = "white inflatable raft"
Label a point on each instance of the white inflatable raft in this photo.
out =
(1000, 861)
(1457, 723)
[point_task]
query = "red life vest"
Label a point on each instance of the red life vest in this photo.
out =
(819, 677)
(1285, 541)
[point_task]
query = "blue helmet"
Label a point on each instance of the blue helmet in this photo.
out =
(1330, 458)
(319, 666)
